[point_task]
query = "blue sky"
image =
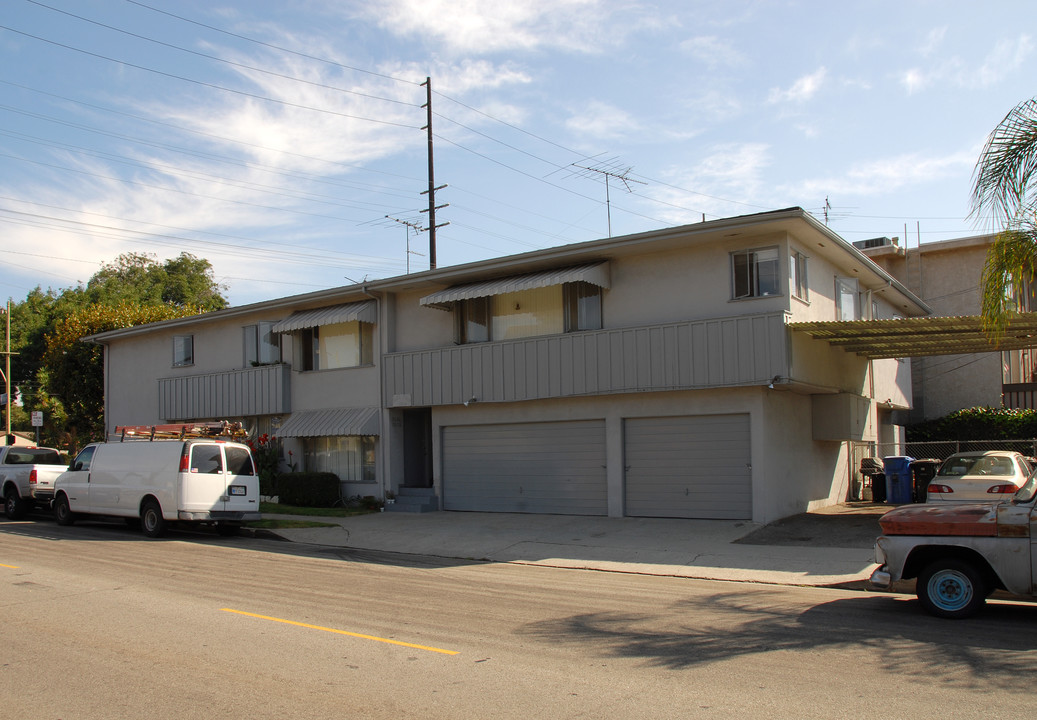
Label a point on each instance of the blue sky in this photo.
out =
(274, 139)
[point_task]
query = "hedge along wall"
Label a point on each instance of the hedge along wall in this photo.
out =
(306, 489)
(982, 423)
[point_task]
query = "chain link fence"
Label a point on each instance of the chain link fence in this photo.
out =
(938, 450)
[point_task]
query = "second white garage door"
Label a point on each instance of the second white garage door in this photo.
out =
(689, 467)
(551, 467)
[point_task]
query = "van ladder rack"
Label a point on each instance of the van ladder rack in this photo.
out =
(181, 431)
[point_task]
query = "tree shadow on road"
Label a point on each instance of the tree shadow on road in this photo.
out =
(990, 652)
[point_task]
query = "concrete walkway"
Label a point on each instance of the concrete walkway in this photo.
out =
(830, 547)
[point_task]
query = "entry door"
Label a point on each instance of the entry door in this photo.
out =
(417, 448)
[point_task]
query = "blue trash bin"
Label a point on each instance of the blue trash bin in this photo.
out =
(898, 479)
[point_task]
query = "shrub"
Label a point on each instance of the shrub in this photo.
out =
(980, 423)
(308, 489)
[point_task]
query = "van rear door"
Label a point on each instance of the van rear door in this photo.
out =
(242, 479)
(218, 477)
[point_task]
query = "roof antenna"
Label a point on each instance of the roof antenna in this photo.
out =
(609, 169)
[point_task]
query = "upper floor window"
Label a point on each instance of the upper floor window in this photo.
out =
(798, 275)
(340, 345)
(262, 346)
(755, 273)
(528, 313)
(183, 350)
(847, 299)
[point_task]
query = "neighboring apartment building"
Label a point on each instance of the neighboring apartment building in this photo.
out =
(647, 375)
(946, 276)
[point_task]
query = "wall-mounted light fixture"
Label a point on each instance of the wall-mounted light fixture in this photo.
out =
(471, 400)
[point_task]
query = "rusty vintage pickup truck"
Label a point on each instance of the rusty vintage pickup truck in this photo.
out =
(960, 554)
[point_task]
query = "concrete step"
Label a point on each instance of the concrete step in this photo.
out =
(414, 500)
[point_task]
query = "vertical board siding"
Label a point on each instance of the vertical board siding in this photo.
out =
(725, 352)
(237, 393)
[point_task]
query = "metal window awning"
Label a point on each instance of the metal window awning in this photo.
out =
(919, 337)
(331, 423)
(365, 311)
(593, 273)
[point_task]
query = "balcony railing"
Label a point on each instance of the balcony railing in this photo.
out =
(1019, 396)
(721, 352)
(262, 390)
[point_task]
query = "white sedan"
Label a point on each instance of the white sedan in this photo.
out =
(978, 477)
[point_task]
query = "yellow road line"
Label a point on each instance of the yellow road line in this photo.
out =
(341, 632)
(12, 567)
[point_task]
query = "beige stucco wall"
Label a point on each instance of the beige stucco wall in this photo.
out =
(135, 363)
(790, 470)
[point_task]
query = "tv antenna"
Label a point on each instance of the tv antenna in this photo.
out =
(416, 227)
(609, 169)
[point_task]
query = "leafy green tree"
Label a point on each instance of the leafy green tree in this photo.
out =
(1002, 186)
(55, 372)
(75, 369)
(138, 277)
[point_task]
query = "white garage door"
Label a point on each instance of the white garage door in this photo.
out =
(556, 467)
(688, 467)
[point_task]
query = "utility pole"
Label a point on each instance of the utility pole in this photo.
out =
(7, 372)
(431, 192)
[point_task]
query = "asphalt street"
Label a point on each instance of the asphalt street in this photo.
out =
(195, 626)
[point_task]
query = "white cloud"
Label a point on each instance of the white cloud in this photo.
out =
(933, 41)
(601, 121)
(714, 51)
(802, 90)
(886, 175)
(1004, 59)
(482, 26)
(727, 181)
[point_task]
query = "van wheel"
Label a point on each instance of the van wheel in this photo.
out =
(62, 511)
(151, 521)
(227, 529)
(15, 508)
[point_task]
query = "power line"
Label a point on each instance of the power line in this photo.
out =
(174, 126)
(219, 59)
(295, 251)
(272, 46)
(213, 86)
(458, 102)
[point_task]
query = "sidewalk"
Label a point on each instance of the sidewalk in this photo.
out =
(830, 547)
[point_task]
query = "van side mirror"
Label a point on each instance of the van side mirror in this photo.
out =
(76, 466)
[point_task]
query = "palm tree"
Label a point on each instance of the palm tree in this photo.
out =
(1002, 187)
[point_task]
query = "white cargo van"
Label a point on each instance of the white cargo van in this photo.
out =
(161, 481)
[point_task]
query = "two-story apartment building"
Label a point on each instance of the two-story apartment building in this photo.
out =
(647, 375)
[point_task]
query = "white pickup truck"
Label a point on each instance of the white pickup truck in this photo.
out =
(27, 477)
(960, 554)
